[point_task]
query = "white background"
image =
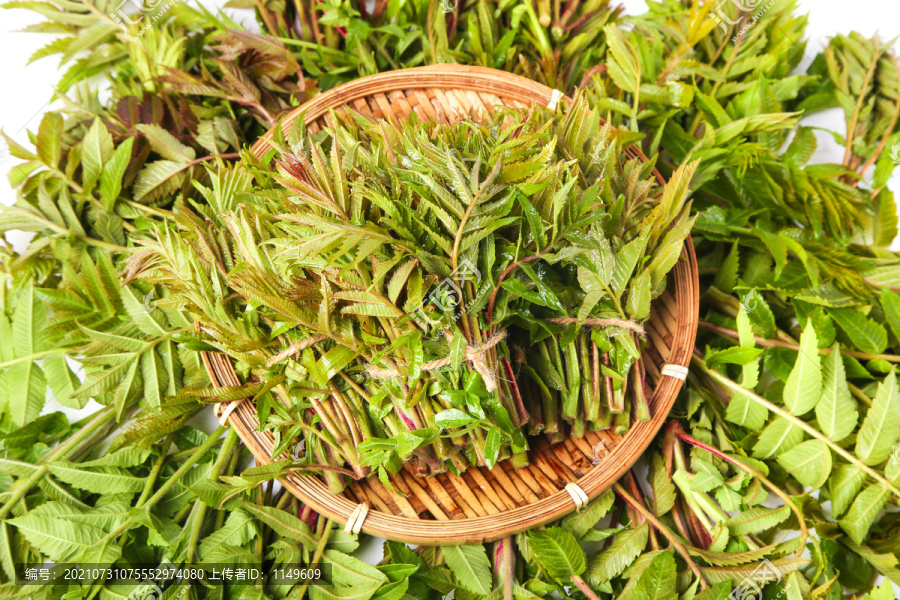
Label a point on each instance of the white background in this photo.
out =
(27, 90)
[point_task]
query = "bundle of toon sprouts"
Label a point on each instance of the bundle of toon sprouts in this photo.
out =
(430, 294)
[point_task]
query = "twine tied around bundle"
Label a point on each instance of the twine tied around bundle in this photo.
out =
(473, 354)
(295, 348)
(593, 322)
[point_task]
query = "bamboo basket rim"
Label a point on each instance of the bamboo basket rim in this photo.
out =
(313, 492)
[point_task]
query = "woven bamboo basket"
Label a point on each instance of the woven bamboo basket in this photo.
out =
(480, 505)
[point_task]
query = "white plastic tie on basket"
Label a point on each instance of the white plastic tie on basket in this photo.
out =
(555, 97)
(578, 496)
(357, 517)
(676, 371)
(229, 408)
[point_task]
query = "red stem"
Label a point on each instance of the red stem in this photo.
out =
(587, 591)
(524, 415)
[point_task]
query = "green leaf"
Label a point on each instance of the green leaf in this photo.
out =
(165, 144)
(779, 436)
(394, 590)
(113, 173)
(106, 516)
(17, 468)
(777, 247)
(836, 410)
(638, 305)
(557, 552)
(96, 149)
(60, 540)
(582, 521)
(707, 477)
(125, 389)
(153, 374)
(547, 297)
(885, 591)
(158, 179)
(62, 381)
(283, 523)
(804, 385)
(890, 302)
(492, 447)
(470, 566)
(453, 418)
(353, 579)
(657, 582)
(6, 552)
(742, 409)
(757, 519)
(716, 591)
(736, 355)
(127, 457)
(594, 289)
(863, 512)
(626, 261)
(628, 544)
(802, 147)
(113, 481)
(27, 385)
(664, 493)
(49, 139)
(845, 484)
(759, 313)
(624, 65)
(746, 412)
(238, 529)
(809, 463)
(748, 575)
(27, 390)
(142, 312)
(866, 334)
(727, 274)
(884, 221)
(399, 279)
(881, 427)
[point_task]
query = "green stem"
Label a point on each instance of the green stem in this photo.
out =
(62, 452)
(317, 556)
(87, 240)
(730, 333)
(314, 46)
(102, 15)
(857, 112)
(157, 212)
(685, 437)
(231, 440)
(184, 468)
(33, 356)
(738, 388)
(170, 482)
(657, 524)
(859, 395)
(154, 473)
(682, 480)
(196, 521)
(538, 31)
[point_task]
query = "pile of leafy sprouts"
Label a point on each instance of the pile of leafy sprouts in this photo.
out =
(430, 294)
(748, 487)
